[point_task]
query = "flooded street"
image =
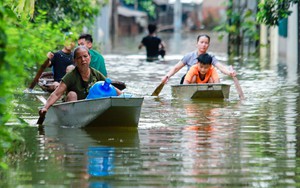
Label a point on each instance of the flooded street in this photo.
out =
(179, 142)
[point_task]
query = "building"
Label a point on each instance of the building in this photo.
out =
(130, 21)
(284, 43)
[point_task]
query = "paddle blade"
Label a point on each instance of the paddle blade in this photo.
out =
(42, 115)
(41, 118)
(158, 89)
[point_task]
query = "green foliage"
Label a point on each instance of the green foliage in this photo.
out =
(272, 11)
(23, 7)
(145, 5)
(9, 137)
(239, 20)
(79, 12)
(240, 25)
(25, 39)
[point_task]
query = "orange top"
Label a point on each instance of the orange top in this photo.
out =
(194, 71)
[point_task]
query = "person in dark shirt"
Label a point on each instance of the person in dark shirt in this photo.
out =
(60, 61)
(154, 45)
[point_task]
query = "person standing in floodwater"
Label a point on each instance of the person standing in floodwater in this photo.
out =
(154, 45)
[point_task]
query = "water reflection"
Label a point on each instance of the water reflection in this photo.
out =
(85, 154)
(100, 160)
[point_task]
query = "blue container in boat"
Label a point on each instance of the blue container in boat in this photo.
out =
(102, 89)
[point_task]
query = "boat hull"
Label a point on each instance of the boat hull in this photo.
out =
(105, 112)
(195, 91)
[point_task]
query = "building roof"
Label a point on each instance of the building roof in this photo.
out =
(126, 12)
(164, 2)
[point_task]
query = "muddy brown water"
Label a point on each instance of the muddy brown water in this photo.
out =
(179, 142)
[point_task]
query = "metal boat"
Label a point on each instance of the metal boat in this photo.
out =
(46, 81)
(121, 111)
(194, 91)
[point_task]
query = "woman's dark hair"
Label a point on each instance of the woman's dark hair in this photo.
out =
(205, 59)
(203, 35)
(80, 47)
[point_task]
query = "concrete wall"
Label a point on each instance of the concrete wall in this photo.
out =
(292, 39)
(292, 43)
(213, 11)
(282, 49)
(288, 47)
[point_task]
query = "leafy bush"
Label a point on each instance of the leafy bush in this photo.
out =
(27, 33)
(271, 12)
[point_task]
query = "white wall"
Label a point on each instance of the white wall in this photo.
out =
(292, 39)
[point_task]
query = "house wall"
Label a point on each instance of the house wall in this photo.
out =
(127, 26)
(292, 40)
(213, 12)
(284, 49)
(102, 25)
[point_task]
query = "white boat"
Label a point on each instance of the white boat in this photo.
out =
(194, 91)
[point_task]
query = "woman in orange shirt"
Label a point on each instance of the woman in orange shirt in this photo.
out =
(202, 72)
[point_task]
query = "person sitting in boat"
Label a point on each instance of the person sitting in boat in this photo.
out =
(154, 45)
(60, 61)
(76, 83)
(190, 59)
(202, 72)
(97, 60)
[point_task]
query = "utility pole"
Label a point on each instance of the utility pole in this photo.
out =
(115, 22)
(177, 22)
(298, 40)
(114, 19)
(229, 43)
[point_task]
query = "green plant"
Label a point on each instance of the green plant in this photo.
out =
(27, 33)
(240, 26)
(145, 5)
(272, 11)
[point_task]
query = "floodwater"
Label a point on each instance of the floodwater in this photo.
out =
(179, 142)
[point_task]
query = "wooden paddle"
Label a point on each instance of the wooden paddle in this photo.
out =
(158, 89)
(42, 115)
(38, 74)
(238, 87)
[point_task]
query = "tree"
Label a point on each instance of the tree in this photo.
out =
(146, 5)
(27, 33)
(242, 23)
(240, 27)
(272, 11)
(73, 13)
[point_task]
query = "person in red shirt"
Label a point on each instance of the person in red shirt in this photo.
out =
(202, 72)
